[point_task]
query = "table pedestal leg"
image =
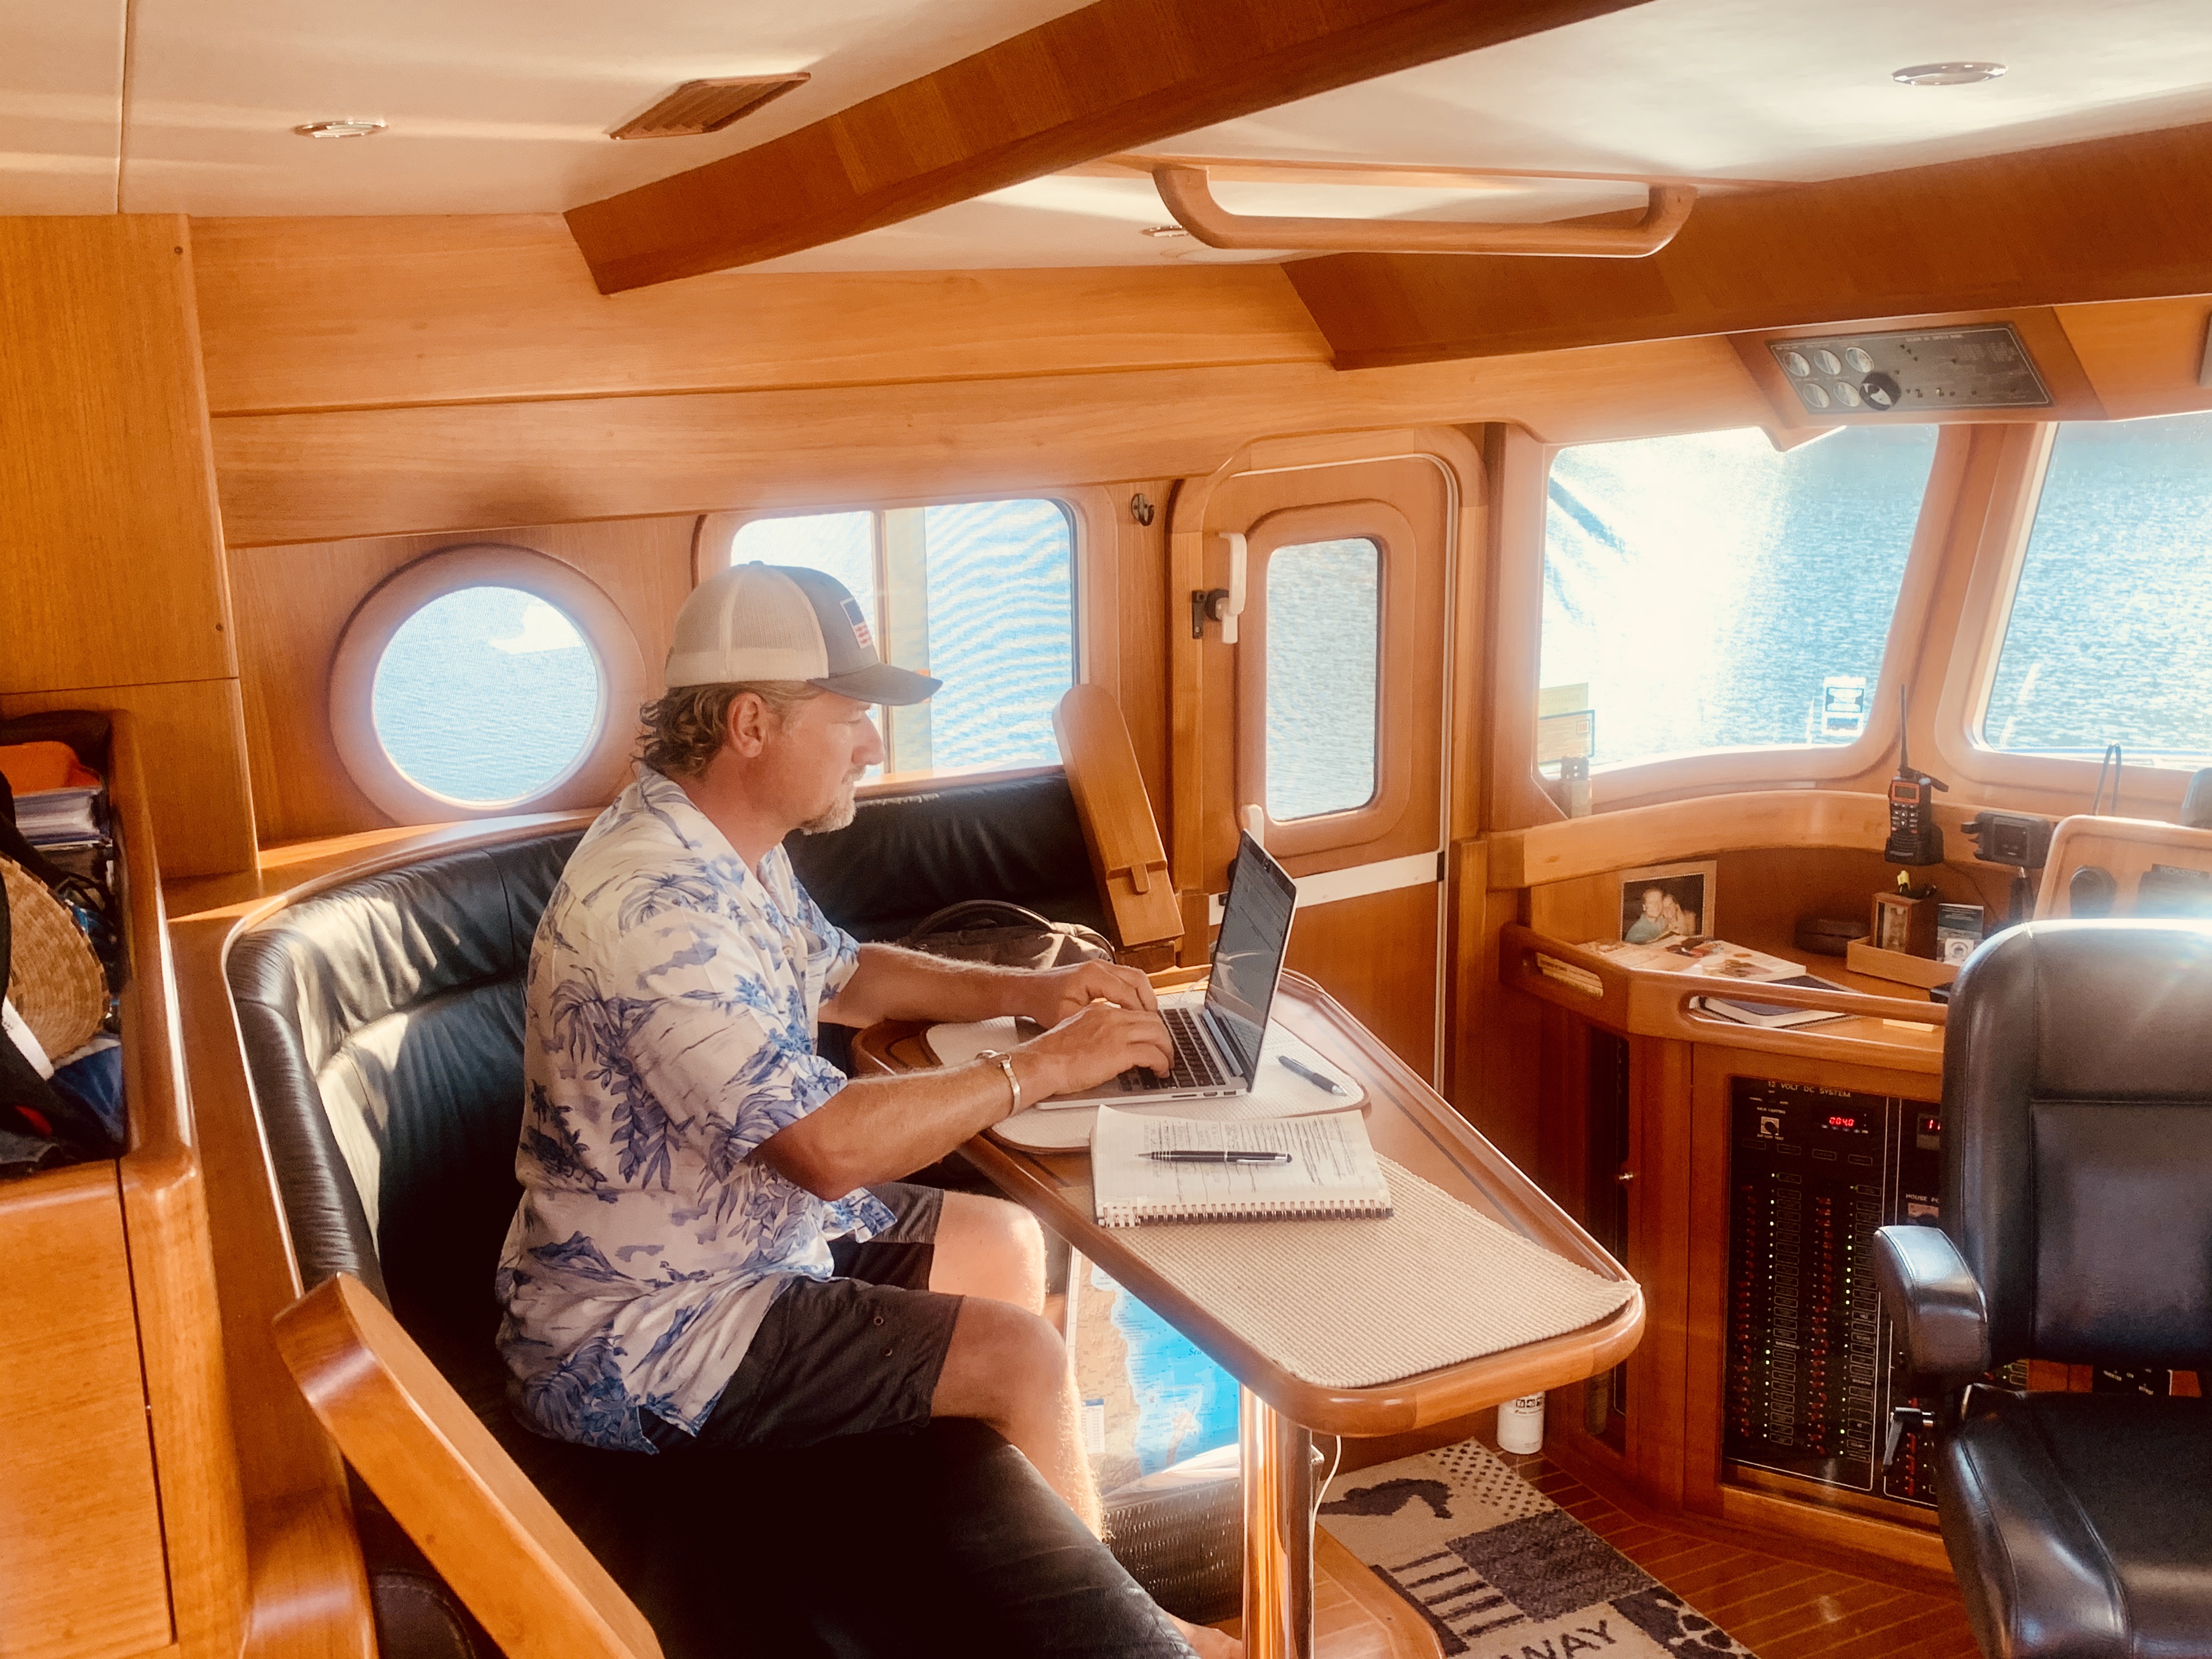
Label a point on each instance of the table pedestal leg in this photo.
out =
(1279, 1508)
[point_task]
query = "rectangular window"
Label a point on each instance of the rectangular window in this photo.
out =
(981, 594)
(2105, 642)
(1712, 594)
(1324, 660)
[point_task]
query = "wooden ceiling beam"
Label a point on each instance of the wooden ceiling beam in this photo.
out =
(2108, 219)
(1114, 75)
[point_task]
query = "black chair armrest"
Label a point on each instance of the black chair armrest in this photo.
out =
(1930, 1292)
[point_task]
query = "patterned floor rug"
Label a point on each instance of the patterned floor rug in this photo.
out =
(1499, 1572)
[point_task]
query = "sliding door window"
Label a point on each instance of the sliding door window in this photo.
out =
(1324, 666)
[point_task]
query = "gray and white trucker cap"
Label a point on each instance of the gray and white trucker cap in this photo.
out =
(780, 622)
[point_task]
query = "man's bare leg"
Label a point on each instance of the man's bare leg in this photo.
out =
(988, 1247)
(1007, 1367)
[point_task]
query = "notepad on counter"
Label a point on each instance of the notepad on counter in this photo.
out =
(1332, 1169)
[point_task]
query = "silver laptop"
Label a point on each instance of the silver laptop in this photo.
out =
(1218, 1045)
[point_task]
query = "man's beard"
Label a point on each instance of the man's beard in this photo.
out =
(838, 815)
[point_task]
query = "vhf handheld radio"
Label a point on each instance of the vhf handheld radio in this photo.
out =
(1914, 838)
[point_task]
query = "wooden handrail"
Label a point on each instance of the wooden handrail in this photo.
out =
(1186, 195)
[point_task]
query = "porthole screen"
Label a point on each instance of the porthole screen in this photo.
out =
(486, 694)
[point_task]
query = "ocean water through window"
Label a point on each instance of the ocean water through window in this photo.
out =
(2106, 640)
(1711, 593)
(487, 694)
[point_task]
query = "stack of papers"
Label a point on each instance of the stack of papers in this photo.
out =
(1709, 958)
(59, 817)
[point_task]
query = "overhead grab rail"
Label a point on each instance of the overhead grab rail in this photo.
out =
(1185, 193)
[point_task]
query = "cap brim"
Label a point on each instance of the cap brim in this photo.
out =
(883, 682)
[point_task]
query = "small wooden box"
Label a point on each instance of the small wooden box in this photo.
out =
(1906, 925)
(1863, 958)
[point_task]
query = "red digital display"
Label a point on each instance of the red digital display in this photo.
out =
(1842, 1123)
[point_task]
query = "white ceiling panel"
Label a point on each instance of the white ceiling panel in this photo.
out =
(60, 105)
(1794, 89)
(1771, 89)
(491, 106)
(503, 107)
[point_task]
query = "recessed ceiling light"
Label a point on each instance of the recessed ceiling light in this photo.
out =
(1165, 231)
(338, 129)
(1946, 75)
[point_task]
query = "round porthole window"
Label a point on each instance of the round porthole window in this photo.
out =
(485, 679)
(486, 696)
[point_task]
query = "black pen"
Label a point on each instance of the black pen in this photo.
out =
(1311, 1075)
(1218, 1158)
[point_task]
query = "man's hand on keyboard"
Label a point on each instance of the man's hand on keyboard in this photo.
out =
(1099, 1042)
(1051, 995)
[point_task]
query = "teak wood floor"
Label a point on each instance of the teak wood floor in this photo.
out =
(1778, 1607)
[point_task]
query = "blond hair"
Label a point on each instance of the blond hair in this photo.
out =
(686, 729)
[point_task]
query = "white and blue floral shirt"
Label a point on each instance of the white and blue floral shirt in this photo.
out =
(669, 1031)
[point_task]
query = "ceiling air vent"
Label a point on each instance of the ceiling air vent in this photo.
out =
(698, 106)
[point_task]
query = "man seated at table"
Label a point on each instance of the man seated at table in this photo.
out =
(712, 1251)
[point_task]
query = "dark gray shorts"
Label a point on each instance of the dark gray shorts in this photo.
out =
(846, 1355)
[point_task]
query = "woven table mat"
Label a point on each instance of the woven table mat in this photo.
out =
(1354, 1303)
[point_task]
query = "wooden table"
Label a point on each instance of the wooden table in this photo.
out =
(1280, 1413)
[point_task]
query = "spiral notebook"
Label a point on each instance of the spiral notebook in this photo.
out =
(1332, 1170)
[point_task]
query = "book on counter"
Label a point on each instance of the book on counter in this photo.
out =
(1744, 1011)
(1329, 1169)
(1706, 958)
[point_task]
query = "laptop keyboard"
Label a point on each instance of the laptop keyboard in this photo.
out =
(1193, 1063)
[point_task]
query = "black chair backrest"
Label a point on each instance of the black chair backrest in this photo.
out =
(2077, 1166)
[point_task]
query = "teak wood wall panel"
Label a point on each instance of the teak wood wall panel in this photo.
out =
(110, 521)
(349, 313)
(115, 593)
(1111, 76)
(82, 1570)
(294, 603)
(195, 761)
(2110, 219)
(328, 475)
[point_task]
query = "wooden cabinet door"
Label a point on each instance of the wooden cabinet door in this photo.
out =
(1320, 724)
(82, 1570)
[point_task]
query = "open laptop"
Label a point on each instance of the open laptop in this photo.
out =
(1218, 1044)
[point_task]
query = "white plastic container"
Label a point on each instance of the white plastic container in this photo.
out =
(1521, 1425)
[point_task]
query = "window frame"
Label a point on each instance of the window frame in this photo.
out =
(1628, 783)
(1387, 528)
(600, 767)
(2000, 554)
(1094, 626)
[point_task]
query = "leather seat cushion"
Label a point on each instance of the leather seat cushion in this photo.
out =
(2082, 1524)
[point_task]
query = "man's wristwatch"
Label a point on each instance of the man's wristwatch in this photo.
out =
(1006, 1065)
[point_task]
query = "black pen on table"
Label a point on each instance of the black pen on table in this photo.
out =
(1195, 1156)
(1311, 1075)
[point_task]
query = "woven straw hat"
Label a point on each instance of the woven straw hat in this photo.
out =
(53, 977)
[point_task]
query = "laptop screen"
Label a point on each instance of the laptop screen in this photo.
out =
(1255, 927)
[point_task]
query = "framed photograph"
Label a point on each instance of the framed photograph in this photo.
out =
(1667, 901)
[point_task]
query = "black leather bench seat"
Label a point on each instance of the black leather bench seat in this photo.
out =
(383, 1028)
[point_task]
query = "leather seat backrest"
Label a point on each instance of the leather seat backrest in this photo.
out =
(903, 856)
(383, 1023)
(2077, 1100)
